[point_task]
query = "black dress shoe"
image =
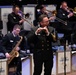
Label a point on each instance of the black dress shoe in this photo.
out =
(14, 74)
(18, 73)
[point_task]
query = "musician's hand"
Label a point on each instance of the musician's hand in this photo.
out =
(20, 14)
(7, 55)
(70, 15)
(38, 30)
(21, 21)
(46, 12)
(17, 48)
(52, 18)
(46, 30)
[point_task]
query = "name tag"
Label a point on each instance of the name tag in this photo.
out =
(63, 14)
(11, 40)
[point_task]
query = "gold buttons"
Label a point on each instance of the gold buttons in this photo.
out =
(47, 41)
(42, 49)
(42, 41)
(42, 45)
(47, 44)
(47, 48)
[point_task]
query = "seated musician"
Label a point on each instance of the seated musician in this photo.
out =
(9, 42)
(65, 14)
(43, 10)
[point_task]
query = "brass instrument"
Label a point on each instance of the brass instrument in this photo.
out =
(14, 53)
(26, 19)
(28, 22)
(54, 35)
(69, 8)
(54, 12)
(73, 10)
(58, 19)
(62, 21)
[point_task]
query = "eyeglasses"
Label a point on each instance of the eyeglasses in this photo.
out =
(45, 21)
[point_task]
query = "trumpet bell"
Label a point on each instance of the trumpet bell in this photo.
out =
(74, 11)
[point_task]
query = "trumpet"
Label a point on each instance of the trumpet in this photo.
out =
(73, 10)
(70, 8)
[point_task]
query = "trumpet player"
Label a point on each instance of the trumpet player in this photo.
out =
(67, 15)
(64, 13)
(41, 38)
(8, 43)
(43, 10)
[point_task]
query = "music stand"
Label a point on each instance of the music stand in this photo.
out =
(24, 32)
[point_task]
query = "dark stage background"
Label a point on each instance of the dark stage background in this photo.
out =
(71, 3)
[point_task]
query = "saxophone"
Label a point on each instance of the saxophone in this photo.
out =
(14, 53)
(54, 37)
